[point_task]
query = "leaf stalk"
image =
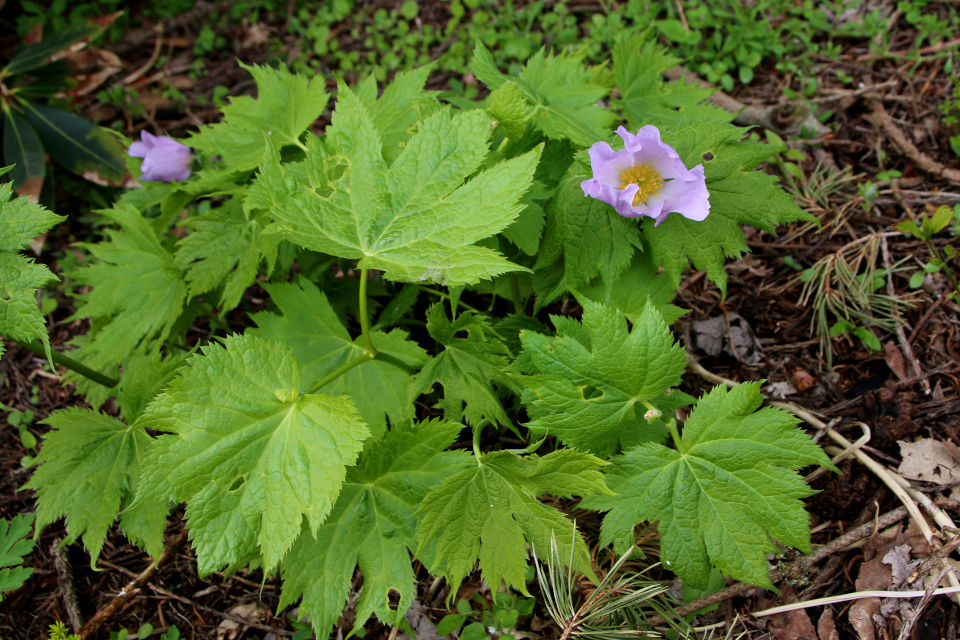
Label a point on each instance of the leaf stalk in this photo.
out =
(69, 363)
(364, 317)
(336, 373)
(518, 301)
(369, 351)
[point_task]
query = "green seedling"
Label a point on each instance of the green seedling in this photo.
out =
(928, 227)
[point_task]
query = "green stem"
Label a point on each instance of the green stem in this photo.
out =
(672, 426)
(518, 302)
(336, 373)
(946, 267)
(477, 430)
(446, 296)
(364, 318)
(369, 351)
(397, 362)
(70, 363)
(212, 316)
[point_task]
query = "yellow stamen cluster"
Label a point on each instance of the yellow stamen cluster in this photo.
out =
(645, 177)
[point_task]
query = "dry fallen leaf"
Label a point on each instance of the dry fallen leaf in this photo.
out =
(827, 628)
(781, 389)
(803, 380)
(895, 360)
(249, 611)
(928, 460)
(793, 625)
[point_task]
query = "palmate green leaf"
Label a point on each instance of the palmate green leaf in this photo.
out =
(639, 63)
(416, 220)
(308, 325)
(249, 454)
(373, 525)
(526, 230)
(20, 222)
(285, 107)
(593, 378)
(631, 291)
(14, 545)
(587, 236)
(467, 368)
(394, 113)
(738, 196)
(224, 247)
(88, 470)
(491, 512)
(144, 376)
(138, 292)
(562, 93)
(722, 499)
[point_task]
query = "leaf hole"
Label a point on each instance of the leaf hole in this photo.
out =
(707, 157)
(590, 392)
(239, 482)
(336, 167)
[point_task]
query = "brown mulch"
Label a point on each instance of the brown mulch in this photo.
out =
(763, 290)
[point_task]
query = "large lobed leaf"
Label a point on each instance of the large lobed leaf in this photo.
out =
(20, 222)
(593, 378)
(639, 63)
(285, 107)
(634, 288)
(249, 453)
(584, 238)
(225, 247)
(415, 219)
(561, 93)
(738, 196)
(138, 291)
(88, 470)
(724, 496)
(308, 325)
(373, 525)
(467, 367)
(490, 512)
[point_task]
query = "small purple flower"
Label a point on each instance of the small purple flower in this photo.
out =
(646, 178)
(164, 159)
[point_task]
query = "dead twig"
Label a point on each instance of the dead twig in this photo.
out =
(926, 318)
(796, 568)
(908, 627)
(68, 587)
(882, 120)
(132, 590)
(901, 334)
(928, 564)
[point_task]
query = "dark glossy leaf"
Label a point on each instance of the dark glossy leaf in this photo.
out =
(22, 148)
(74, 38)
(79, 145)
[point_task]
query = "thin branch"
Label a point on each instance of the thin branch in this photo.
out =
(132, 590)
(882, 120)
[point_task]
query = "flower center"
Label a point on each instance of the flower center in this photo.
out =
(645, 177)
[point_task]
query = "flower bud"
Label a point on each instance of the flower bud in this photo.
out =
(164, 159)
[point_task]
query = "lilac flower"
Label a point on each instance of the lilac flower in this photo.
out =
(646, 178)
(164, 159)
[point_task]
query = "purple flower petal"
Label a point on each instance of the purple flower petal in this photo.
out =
(164, 159)
(667, 185)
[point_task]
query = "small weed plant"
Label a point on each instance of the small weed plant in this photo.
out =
(406, 254)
